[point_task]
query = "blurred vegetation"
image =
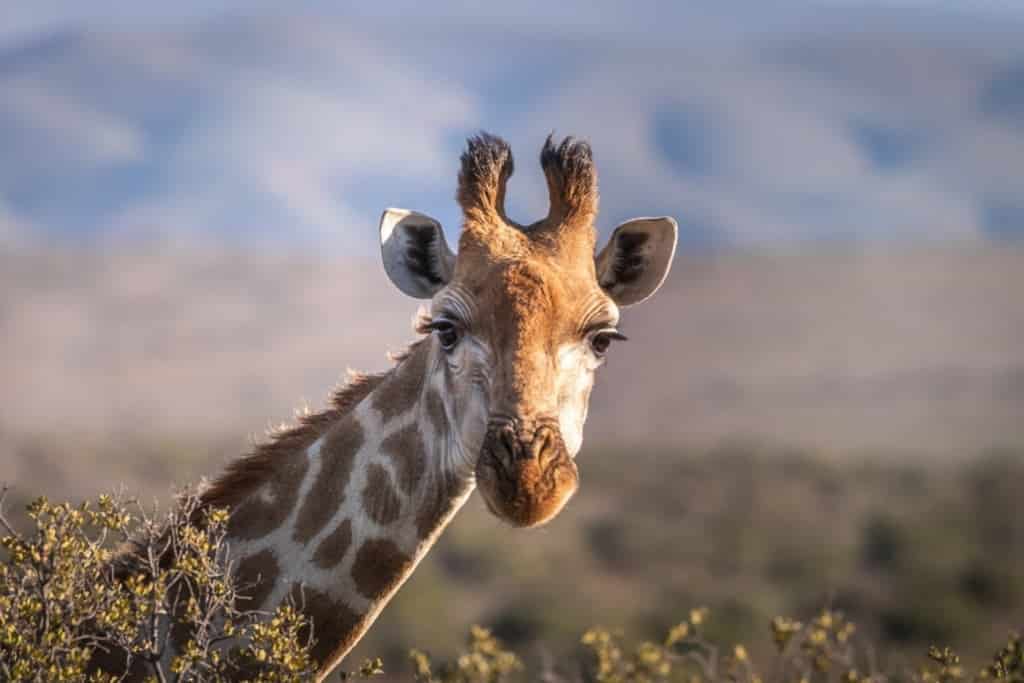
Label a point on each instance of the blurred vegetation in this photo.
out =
(67, 601)
(63, 603)
(915, 550)
(824, 650)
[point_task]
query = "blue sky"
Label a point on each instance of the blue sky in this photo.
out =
(23, 19)
(751, 123)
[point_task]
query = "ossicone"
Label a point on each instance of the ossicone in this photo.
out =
(572, 179)
(486, 167)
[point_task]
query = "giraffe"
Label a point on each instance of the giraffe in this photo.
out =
(335, 512)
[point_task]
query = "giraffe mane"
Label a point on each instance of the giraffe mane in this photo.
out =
(247, 472)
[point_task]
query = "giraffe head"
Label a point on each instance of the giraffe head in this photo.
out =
(522, 317)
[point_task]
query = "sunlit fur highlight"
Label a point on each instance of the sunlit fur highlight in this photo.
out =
(244, 475)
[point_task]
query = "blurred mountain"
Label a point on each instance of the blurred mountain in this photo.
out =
(910, 347)
(298, 130)
(916, 348)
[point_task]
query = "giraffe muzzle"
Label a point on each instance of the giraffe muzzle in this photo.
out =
(525, 475)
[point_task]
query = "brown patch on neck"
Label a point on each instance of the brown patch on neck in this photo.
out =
(438, 501)
(282, 463)
(256, 516)
(408, 454)
(400, 391)
(379, 568)
(337, 455)
(255, 578)
(332, 549)
(246, 474)
(436, 413)
(336, 626)
(439, 504)
(380, 500)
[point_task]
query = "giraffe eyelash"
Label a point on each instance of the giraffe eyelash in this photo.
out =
(426, 323)
(605, 327)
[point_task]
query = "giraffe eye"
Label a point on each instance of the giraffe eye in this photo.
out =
(601, 340)
(447, 333)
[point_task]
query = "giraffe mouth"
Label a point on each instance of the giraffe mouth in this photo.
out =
(525, 481)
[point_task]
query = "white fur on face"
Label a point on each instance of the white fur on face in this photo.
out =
(467, 398)
(576, 366)
(466, 372)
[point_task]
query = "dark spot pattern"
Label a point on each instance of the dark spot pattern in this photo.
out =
(379, 497)
(379, 568)
(332, 549)
(255, 577)
(337, 453)
(400, 391)
(439, 504)
(256, 517)
(436, 413)
(406, 450)
(335, 625)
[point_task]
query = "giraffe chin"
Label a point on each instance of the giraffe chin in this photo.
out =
(526, 494)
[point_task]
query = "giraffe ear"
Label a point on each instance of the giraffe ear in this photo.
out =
(415, 253)
(637, 259)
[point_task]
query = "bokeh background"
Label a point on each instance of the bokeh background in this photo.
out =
(823, 406)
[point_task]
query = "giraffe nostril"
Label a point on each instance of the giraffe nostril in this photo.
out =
(509, 443)
(545, 446)
(525, 473)
(506, 445)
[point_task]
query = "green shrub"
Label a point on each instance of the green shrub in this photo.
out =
(102, 579)
(823, 650)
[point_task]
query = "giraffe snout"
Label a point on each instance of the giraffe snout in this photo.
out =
(525, 473)
(509, 442)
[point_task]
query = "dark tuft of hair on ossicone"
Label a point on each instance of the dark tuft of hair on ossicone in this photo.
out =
(572, 178)
(486, 167)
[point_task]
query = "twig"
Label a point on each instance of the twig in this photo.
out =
(3, 518)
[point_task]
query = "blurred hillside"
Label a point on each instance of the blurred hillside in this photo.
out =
(916, 349)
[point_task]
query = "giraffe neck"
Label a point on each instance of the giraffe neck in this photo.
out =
(344, 517)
